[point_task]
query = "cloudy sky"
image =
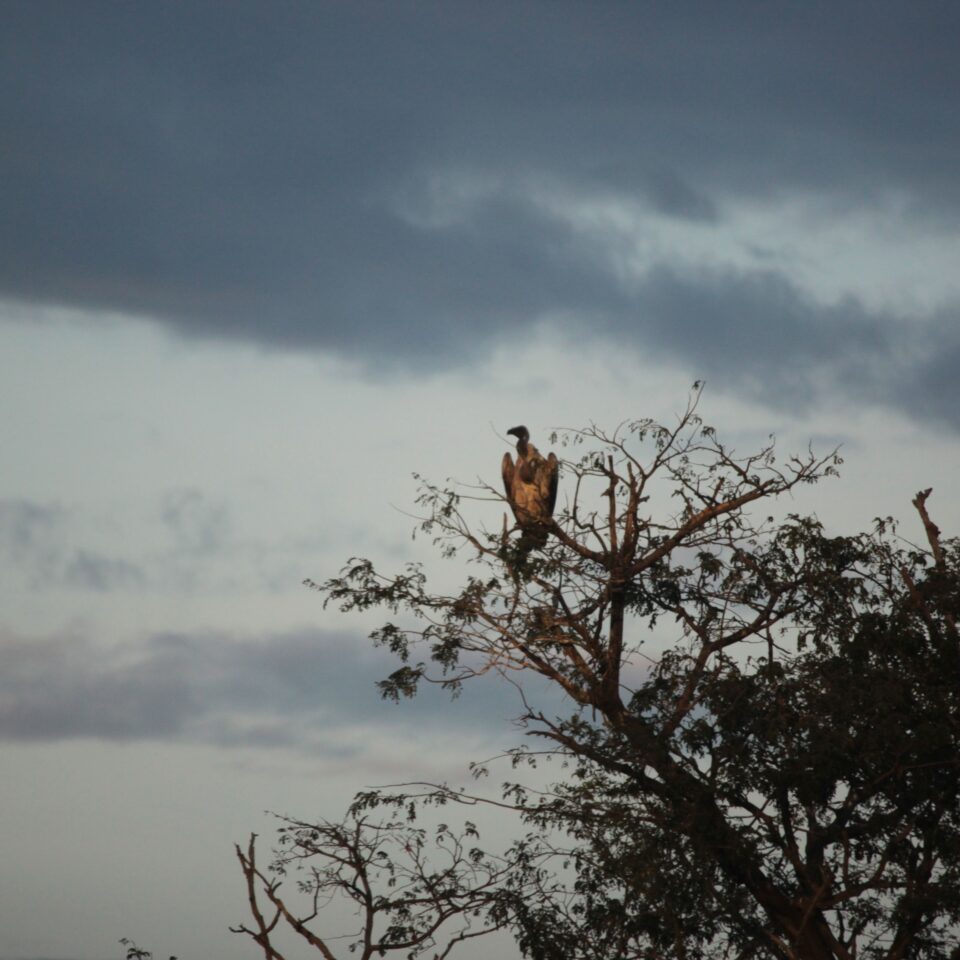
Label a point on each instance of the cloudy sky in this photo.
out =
(259, 262)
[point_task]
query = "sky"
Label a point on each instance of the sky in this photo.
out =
(261, 262)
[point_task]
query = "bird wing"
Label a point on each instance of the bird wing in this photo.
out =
(506, 471)
(553, 478)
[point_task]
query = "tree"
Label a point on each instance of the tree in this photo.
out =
(765, 729)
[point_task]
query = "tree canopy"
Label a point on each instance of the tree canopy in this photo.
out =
(762, 741)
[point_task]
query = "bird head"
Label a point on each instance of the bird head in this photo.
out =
(521, 433)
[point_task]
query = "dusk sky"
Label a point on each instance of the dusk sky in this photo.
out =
(260, 262)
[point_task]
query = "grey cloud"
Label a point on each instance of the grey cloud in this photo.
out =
(31, 538)
(26, 525)
(244, 176)
(197, 523)
(63, 687)
(46, 545)
(91, 571)
(35, 539)
(279, 691)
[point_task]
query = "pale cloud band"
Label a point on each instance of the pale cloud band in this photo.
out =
(310, 691)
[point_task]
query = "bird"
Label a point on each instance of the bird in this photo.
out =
(531, 488)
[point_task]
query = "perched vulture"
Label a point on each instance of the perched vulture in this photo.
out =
(531, 486)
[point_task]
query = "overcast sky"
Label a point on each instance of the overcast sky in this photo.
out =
(259, 262)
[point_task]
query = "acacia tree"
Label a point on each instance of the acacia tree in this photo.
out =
(765, 728)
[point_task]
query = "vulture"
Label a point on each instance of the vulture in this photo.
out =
(531, 486)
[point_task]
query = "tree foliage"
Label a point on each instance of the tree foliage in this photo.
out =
(763, 738)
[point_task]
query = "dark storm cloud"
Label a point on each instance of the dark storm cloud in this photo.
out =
(277, 691)
(929, 394)
(265, 171)
(755, 328)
